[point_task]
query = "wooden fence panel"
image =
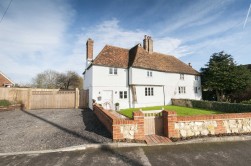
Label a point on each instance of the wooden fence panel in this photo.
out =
(50, 99)
(42, 98)
(83, 98)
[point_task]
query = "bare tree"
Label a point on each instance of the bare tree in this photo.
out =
(52, 79)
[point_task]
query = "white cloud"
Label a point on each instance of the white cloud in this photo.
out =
(111, 33)
(31, 37)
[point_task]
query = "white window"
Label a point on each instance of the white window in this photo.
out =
(182, 89)
(196, 77)
(195, 89)
(181, 76)
(113, 71)
(123, 94)
(149, 91)
(149, 73)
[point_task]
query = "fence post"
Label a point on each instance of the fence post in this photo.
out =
(169, 119)
(29, 99)
(138, 116)
(76, 98)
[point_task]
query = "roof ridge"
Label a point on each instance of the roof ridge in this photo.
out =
(108, 45)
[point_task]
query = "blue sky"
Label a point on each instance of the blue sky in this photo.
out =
(51, 34)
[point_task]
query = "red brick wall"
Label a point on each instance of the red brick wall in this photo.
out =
(170, 118)
(114, 124)
(3, 81)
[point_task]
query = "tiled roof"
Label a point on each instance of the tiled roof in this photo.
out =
(138, 57)
(113, 57)
(160, 62)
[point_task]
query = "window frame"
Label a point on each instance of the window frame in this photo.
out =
(149, 73)
(197, 78)
(182, 76)
(123, 95)
(196, 89)
(149, 91)
(182, 89)
(113, 71)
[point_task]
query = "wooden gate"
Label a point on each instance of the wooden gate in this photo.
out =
(83, 98)
(153, 122)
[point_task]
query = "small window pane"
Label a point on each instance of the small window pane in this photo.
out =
(151, 91)
(110, 71)
(182, 76)
(121, 95)
(115, 71)
(151, 74)
(147, 73)
(125, 94)
(145, 91)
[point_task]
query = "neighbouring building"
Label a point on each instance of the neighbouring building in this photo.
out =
(5, 81)
(138, 77)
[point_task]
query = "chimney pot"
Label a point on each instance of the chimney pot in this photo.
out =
(148, 44)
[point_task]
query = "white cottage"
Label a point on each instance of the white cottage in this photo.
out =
(138, 77)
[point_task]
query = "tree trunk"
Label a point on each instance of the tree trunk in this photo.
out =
(218, 95)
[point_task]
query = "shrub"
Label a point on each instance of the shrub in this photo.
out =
(5, 103)
(213, 105)
(246, 102)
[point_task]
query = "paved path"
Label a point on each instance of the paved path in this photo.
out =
(49, 129)
(215, 154)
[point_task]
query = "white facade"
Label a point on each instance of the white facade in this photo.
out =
(135, 87)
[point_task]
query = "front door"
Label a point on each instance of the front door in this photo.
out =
(108, 99)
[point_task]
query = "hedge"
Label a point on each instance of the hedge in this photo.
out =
(213, 105)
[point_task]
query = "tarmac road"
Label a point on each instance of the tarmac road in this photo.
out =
(216, 154)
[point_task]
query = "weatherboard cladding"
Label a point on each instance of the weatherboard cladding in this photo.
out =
(137, 57)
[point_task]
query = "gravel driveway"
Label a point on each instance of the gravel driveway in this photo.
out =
(49, 129)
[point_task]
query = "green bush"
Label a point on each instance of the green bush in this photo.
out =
(5, 103)
(246, 102)
(216, 106)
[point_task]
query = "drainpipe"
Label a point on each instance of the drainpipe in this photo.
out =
(164, 95)
(129, 89)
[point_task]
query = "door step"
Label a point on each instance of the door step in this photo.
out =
(156, 139)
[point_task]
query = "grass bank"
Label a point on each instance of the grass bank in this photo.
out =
(181, 111)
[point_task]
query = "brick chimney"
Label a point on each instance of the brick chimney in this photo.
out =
(89, 50)
(148, 44)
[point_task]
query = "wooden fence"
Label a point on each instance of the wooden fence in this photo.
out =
(46, 98)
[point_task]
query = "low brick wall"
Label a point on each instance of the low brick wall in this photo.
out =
(202, 125)
(120, 128)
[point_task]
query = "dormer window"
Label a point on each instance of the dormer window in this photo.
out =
(149, 73)
(113, 71)
(182, 77)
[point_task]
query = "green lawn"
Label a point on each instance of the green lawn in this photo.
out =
(181, 111)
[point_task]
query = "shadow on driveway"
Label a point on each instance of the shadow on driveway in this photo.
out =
(90, 122)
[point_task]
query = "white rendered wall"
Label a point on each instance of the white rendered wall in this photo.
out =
(97, 79)
(170, 81)
(145, 101)
(103, 81)
(88, 80)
